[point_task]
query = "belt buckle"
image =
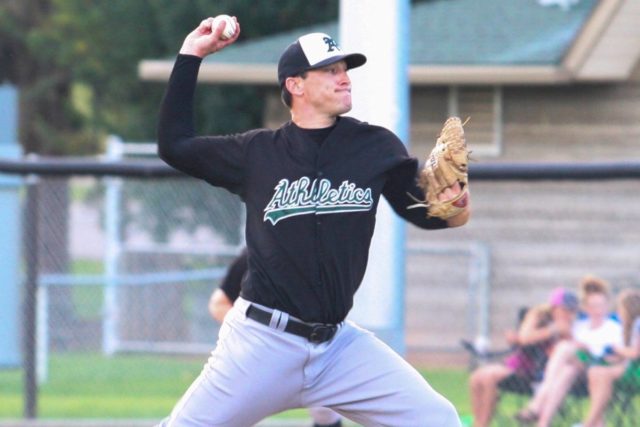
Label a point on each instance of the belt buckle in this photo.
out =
(321, 333)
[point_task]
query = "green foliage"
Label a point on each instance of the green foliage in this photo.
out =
(94, 46)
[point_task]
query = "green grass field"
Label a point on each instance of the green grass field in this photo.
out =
(133, 386)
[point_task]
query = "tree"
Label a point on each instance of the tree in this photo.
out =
(75, 64)
(47, 123)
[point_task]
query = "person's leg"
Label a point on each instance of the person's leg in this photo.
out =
(562, 354)
(483, 384)
(562, 382)
(255, 371)
(601, 380)
(361, 378)
(325, 417)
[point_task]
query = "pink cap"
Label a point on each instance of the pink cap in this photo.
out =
(564, 298)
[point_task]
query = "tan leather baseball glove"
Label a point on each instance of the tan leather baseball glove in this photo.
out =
(447, 165)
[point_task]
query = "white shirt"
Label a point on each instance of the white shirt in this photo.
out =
(597, 339)
(634, 339)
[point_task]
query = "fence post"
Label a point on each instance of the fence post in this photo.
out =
(110, 333)
(32, 260)
(480, 292)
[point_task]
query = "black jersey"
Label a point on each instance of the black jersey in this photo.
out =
(310, 208)
(232, 281)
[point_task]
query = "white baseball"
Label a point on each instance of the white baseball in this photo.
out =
(229, 28)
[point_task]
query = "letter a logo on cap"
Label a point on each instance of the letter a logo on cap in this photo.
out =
(318, 47)
(331, 44)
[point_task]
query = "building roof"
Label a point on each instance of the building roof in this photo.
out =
(472, 42)
(494, 32)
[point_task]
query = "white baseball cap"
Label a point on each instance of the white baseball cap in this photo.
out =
(314, 50)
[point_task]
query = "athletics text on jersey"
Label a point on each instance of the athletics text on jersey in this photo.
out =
(305, 196)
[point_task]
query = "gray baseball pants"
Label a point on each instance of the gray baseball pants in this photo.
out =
(258, 370)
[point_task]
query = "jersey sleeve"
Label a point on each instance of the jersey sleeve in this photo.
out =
(218, 160)
(233, 279)
(401, 191)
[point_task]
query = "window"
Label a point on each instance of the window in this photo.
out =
(483, 107)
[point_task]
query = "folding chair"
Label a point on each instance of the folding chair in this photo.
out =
(624, 410)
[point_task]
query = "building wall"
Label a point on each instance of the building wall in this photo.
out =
(563, 123)
(576, 123)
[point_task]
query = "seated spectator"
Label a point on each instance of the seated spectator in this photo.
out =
(625, 367)
(541, 328)
(570, 358)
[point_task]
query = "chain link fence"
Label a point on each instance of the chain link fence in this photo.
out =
(137, 263)
(123, 268)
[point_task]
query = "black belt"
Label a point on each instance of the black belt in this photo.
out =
(314, 332)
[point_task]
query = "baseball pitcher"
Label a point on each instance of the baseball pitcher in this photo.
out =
(311, 189)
